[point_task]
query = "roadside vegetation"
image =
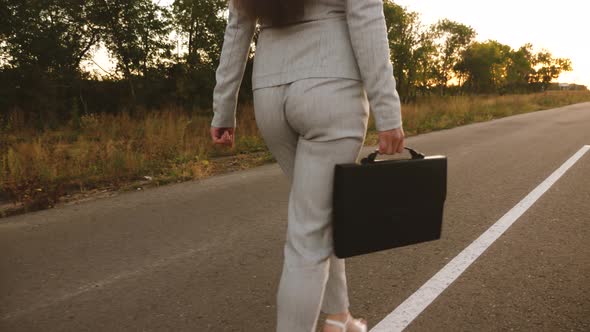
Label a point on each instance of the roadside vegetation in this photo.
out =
(105, 152)
(100, 96)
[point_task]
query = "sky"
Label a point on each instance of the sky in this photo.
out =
(561, 27)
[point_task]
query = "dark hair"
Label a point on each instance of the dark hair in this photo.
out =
(275, 12)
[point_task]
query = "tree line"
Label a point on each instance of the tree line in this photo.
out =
(167, 55)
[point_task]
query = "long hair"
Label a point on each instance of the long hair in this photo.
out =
(275, 12)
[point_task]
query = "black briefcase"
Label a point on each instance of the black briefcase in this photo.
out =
(384, 204)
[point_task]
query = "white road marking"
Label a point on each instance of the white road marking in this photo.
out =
(406, 312)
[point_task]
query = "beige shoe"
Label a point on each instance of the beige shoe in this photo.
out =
(350, 325)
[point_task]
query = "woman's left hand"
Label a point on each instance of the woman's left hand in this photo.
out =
(223, 136)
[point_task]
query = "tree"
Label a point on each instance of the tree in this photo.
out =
(483, 65)
(136, 33)
(452, 39)
(54, 36)
(202, 21)
(43, 44)
(411, 48)
(548, 68)
(519, 69)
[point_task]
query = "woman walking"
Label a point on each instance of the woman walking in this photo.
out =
(320, 67)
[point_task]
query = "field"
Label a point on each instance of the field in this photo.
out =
(106, 153)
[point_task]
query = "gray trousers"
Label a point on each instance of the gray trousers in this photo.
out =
(309, 126)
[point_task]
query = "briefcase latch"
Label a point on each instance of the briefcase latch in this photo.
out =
(370, 159)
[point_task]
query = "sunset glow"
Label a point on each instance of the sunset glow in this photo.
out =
(557, 29)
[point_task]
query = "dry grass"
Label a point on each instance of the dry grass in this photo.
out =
(112, 151)
(436, 113)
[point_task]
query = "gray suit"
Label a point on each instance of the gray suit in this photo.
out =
(314, 83)
(336, 38)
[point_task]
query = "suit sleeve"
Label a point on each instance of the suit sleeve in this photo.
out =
(230, 72)
(368, 34)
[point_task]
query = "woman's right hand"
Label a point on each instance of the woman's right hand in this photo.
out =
(391, 141)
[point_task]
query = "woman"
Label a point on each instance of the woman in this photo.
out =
(320, 66)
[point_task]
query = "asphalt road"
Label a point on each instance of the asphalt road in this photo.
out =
(207, 255)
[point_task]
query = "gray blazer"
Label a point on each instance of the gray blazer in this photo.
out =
(334, 38)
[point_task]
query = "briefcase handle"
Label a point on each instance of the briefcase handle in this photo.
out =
(370, 159)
